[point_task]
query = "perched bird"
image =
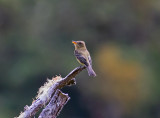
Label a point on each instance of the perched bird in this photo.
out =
(83, 56)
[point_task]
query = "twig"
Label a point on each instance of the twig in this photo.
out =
(46, 96)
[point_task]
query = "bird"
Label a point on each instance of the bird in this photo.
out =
(83, 56)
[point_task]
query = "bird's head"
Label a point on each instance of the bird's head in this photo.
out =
(79, 44)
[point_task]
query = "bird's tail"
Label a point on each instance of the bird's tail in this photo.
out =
(91, 71)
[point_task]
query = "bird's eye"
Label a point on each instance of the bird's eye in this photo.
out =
(80, 43)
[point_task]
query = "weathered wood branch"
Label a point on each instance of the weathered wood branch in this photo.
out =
(48, 91)
(55, 105)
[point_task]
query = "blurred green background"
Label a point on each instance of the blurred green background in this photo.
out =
(122, 37)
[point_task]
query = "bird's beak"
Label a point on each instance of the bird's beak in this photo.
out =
(74, 42)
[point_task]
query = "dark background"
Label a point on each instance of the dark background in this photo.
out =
(121, 35)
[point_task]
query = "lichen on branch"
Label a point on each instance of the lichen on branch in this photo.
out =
(50, 92)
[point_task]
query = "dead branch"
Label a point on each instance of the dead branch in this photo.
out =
(49, 93)
(55, 105)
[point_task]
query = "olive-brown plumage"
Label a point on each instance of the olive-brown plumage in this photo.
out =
(83, 56)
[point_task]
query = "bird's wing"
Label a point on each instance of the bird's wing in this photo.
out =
(90, 60)
(80, 58)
